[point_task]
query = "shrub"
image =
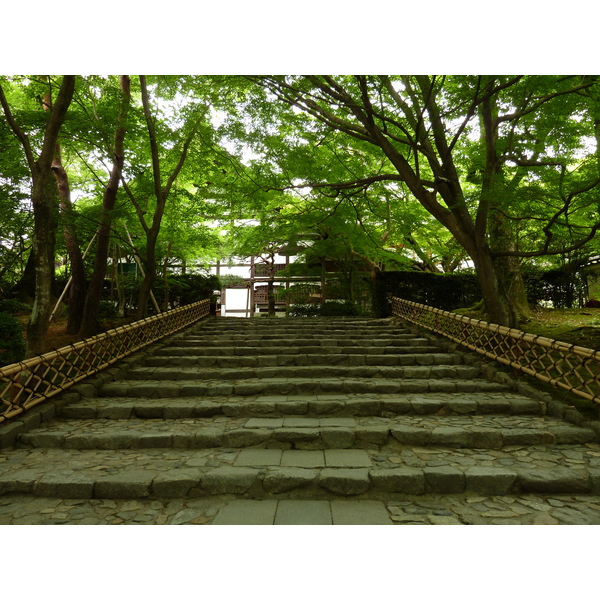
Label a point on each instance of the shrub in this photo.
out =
(14, 307)
(447, 291)
(304, 310)
(12, 343)
(340, 309)
(107, 310)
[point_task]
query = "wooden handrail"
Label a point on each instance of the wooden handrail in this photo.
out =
(568, 366)
(26, 384)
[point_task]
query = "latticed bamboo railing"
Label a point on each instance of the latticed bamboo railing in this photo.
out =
(26, 384)
(571, 367)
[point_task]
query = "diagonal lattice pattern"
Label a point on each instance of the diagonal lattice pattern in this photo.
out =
(571, 367)
(26, 384)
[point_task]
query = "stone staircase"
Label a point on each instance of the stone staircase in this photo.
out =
(292, 410)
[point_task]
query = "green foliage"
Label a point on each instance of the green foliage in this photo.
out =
(12, 343)
(346, 308)
(107, 311)
(330, 308)
(228, 280)
(447, 291)
(14, 307)
(304, 310)
(188, 288)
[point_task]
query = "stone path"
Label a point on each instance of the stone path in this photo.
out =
(412, 510)
(300, 421)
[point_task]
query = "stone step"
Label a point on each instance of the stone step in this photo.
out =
(188, 351)
(153, 388)
(417, 371)
(405, 509)
(279, 411)
(299, 323)
(304, 327)
(308, 433)
(240, 342)
(302, 360)
(314, 474)
(291, 337)
(383, 405)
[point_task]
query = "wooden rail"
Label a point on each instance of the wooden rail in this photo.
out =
(26, 384)
(571, 367)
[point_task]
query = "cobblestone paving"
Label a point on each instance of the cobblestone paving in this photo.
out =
(509, 429)
(159, 460)
(421, 510)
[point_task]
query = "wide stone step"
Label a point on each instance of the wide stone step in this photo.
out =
(363, 330)
(298, 324)
(326, 342)
(264, 473)
(350, 335)
(303, 360)
(384, 405)
(407, 509)
(177, 373)
(290, 386)
(308, 433)
(189, 351)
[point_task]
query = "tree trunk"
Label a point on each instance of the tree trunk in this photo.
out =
(119, 283)
(165, 277)
(161, 193)
(89, 325)
(508, 267)
(498, 306)
(77, 290)
(43, 199)
(150, 267)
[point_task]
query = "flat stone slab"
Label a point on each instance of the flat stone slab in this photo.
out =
(247, 512)
(347, 458)
(364, 512)
(303, 512)
(252, 457)
(303, 458)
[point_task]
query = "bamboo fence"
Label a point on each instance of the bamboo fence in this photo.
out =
(567, 366)
(28, 383)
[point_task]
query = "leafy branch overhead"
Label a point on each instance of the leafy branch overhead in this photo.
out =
(496, 174)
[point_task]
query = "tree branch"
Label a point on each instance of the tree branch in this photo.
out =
(19, 133)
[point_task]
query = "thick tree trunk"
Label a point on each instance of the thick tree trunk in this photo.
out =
(497, 303)
(43, 196)
(78, 284)
(508, 267)
(43, 199)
